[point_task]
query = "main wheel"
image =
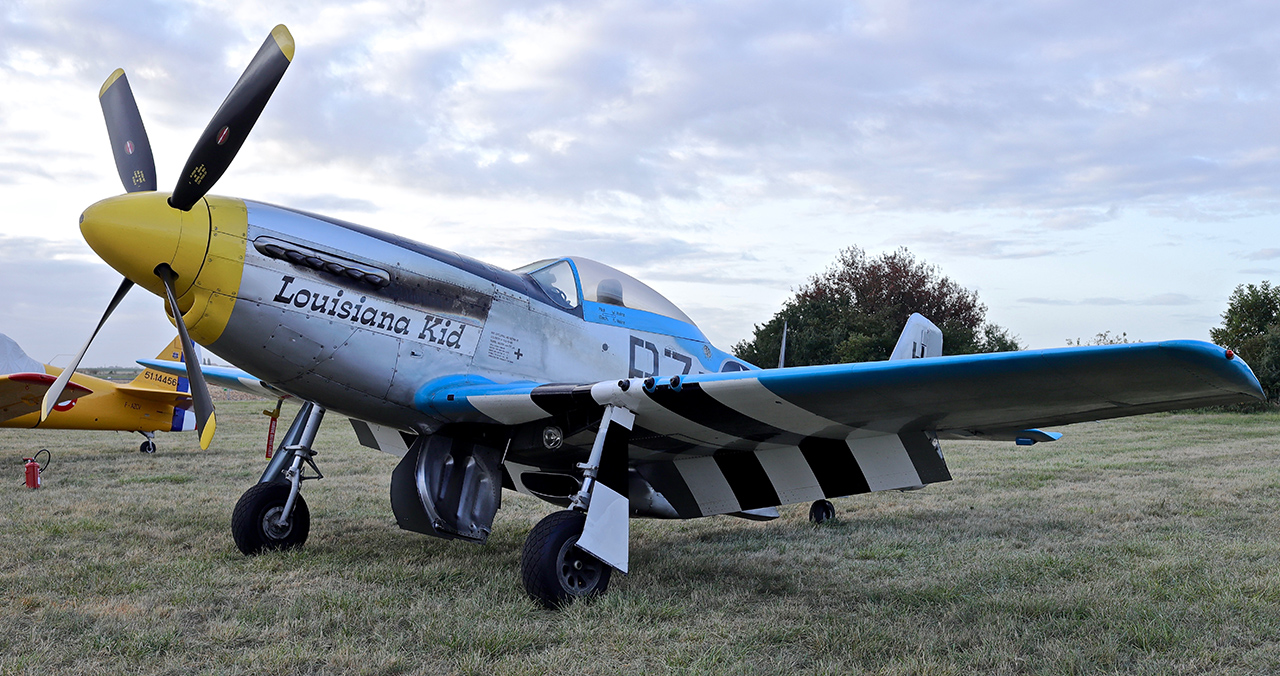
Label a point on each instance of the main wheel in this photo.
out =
(822, 510)
(556, 572)
(253, 523)
(147, 446)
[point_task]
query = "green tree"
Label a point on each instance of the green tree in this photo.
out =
(1251, 327)
(855, 310)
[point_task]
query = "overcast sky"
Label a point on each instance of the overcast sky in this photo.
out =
(1084, 166)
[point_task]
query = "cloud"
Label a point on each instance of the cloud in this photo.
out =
(1035, 300)
(1168, 299)
(327, 203)
(676, 137)
(53, 297)
(1078, 219)
(970, 244)
(26, 250)
(872, 103)
(11, 172)
(1263, 255)
(1159, 299)
(648, 254)
(713, 275)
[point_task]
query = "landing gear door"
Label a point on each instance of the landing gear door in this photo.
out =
(448, 487)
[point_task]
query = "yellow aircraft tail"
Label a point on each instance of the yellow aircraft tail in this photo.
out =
(151, 379)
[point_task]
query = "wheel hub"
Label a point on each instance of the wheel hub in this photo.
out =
(579, 571)
(271, 526)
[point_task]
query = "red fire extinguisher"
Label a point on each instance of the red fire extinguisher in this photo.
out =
(35, 468)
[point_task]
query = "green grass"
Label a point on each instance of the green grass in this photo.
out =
(1145, 546)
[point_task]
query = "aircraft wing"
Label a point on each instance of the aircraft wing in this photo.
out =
(747, 440)
(21, 393)
(220, 376)
(996, 396)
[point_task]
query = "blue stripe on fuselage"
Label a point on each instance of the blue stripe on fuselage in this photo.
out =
(639, 320)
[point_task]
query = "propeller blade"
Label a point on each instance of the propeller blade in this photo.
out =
(230, 126)
(129, 142)
(205, 421)
(55, 390)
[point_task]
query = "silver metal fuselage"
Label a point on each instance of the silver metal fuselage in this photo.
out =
(372, 352)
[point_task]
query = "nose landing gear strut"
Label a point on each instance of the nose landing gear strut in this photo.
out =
(272, 514)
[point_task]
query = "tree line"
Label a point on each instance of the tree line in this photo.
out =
(855, 310)
(1251, 327)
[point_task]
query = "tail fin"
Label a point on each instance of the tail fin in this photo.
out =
(158, 380)
(920, 338)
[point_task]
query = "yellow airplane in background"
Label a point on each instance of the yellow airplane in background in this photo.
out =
(153, 402)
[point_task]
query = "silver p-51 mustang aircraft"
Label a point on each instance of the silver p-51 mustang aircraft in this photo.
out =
(565, 379)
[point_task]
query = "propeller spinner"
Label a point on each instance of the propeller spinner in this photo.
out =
(119, 228)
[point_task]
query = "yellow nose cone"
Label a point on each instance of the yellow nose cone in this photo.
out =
(136, 232)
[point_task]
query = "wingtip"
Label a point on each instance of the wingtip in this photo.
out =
(111, 79)
(284, 39)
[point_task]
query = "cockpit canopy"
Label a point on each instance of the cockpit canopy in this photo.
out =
(572, 281)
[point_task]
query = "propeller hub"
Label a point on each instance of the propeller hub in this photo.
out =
(138, 231)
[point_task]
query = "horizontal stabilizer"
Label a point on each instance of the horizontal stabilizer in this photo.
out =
(1030, 437)
(220, 376)
(171, 397)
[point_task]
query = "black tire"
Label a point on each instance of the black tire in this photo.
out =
(822, 510)
(251, 529)
(147, 446)
(555, 572)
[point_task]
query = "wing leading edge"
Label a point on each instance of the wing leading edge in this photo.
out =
(721, 443)
(21, 393)
(998, 395)
(994, 395)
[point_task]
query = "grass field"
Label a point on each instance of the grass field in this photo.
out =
(1145, 546)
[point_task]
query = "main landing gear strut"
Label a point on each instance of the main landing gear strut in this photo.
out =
(272, 514)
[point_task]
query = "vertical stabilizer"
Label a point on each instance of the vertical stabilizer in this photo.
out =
(919, 339)
(158, 380)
